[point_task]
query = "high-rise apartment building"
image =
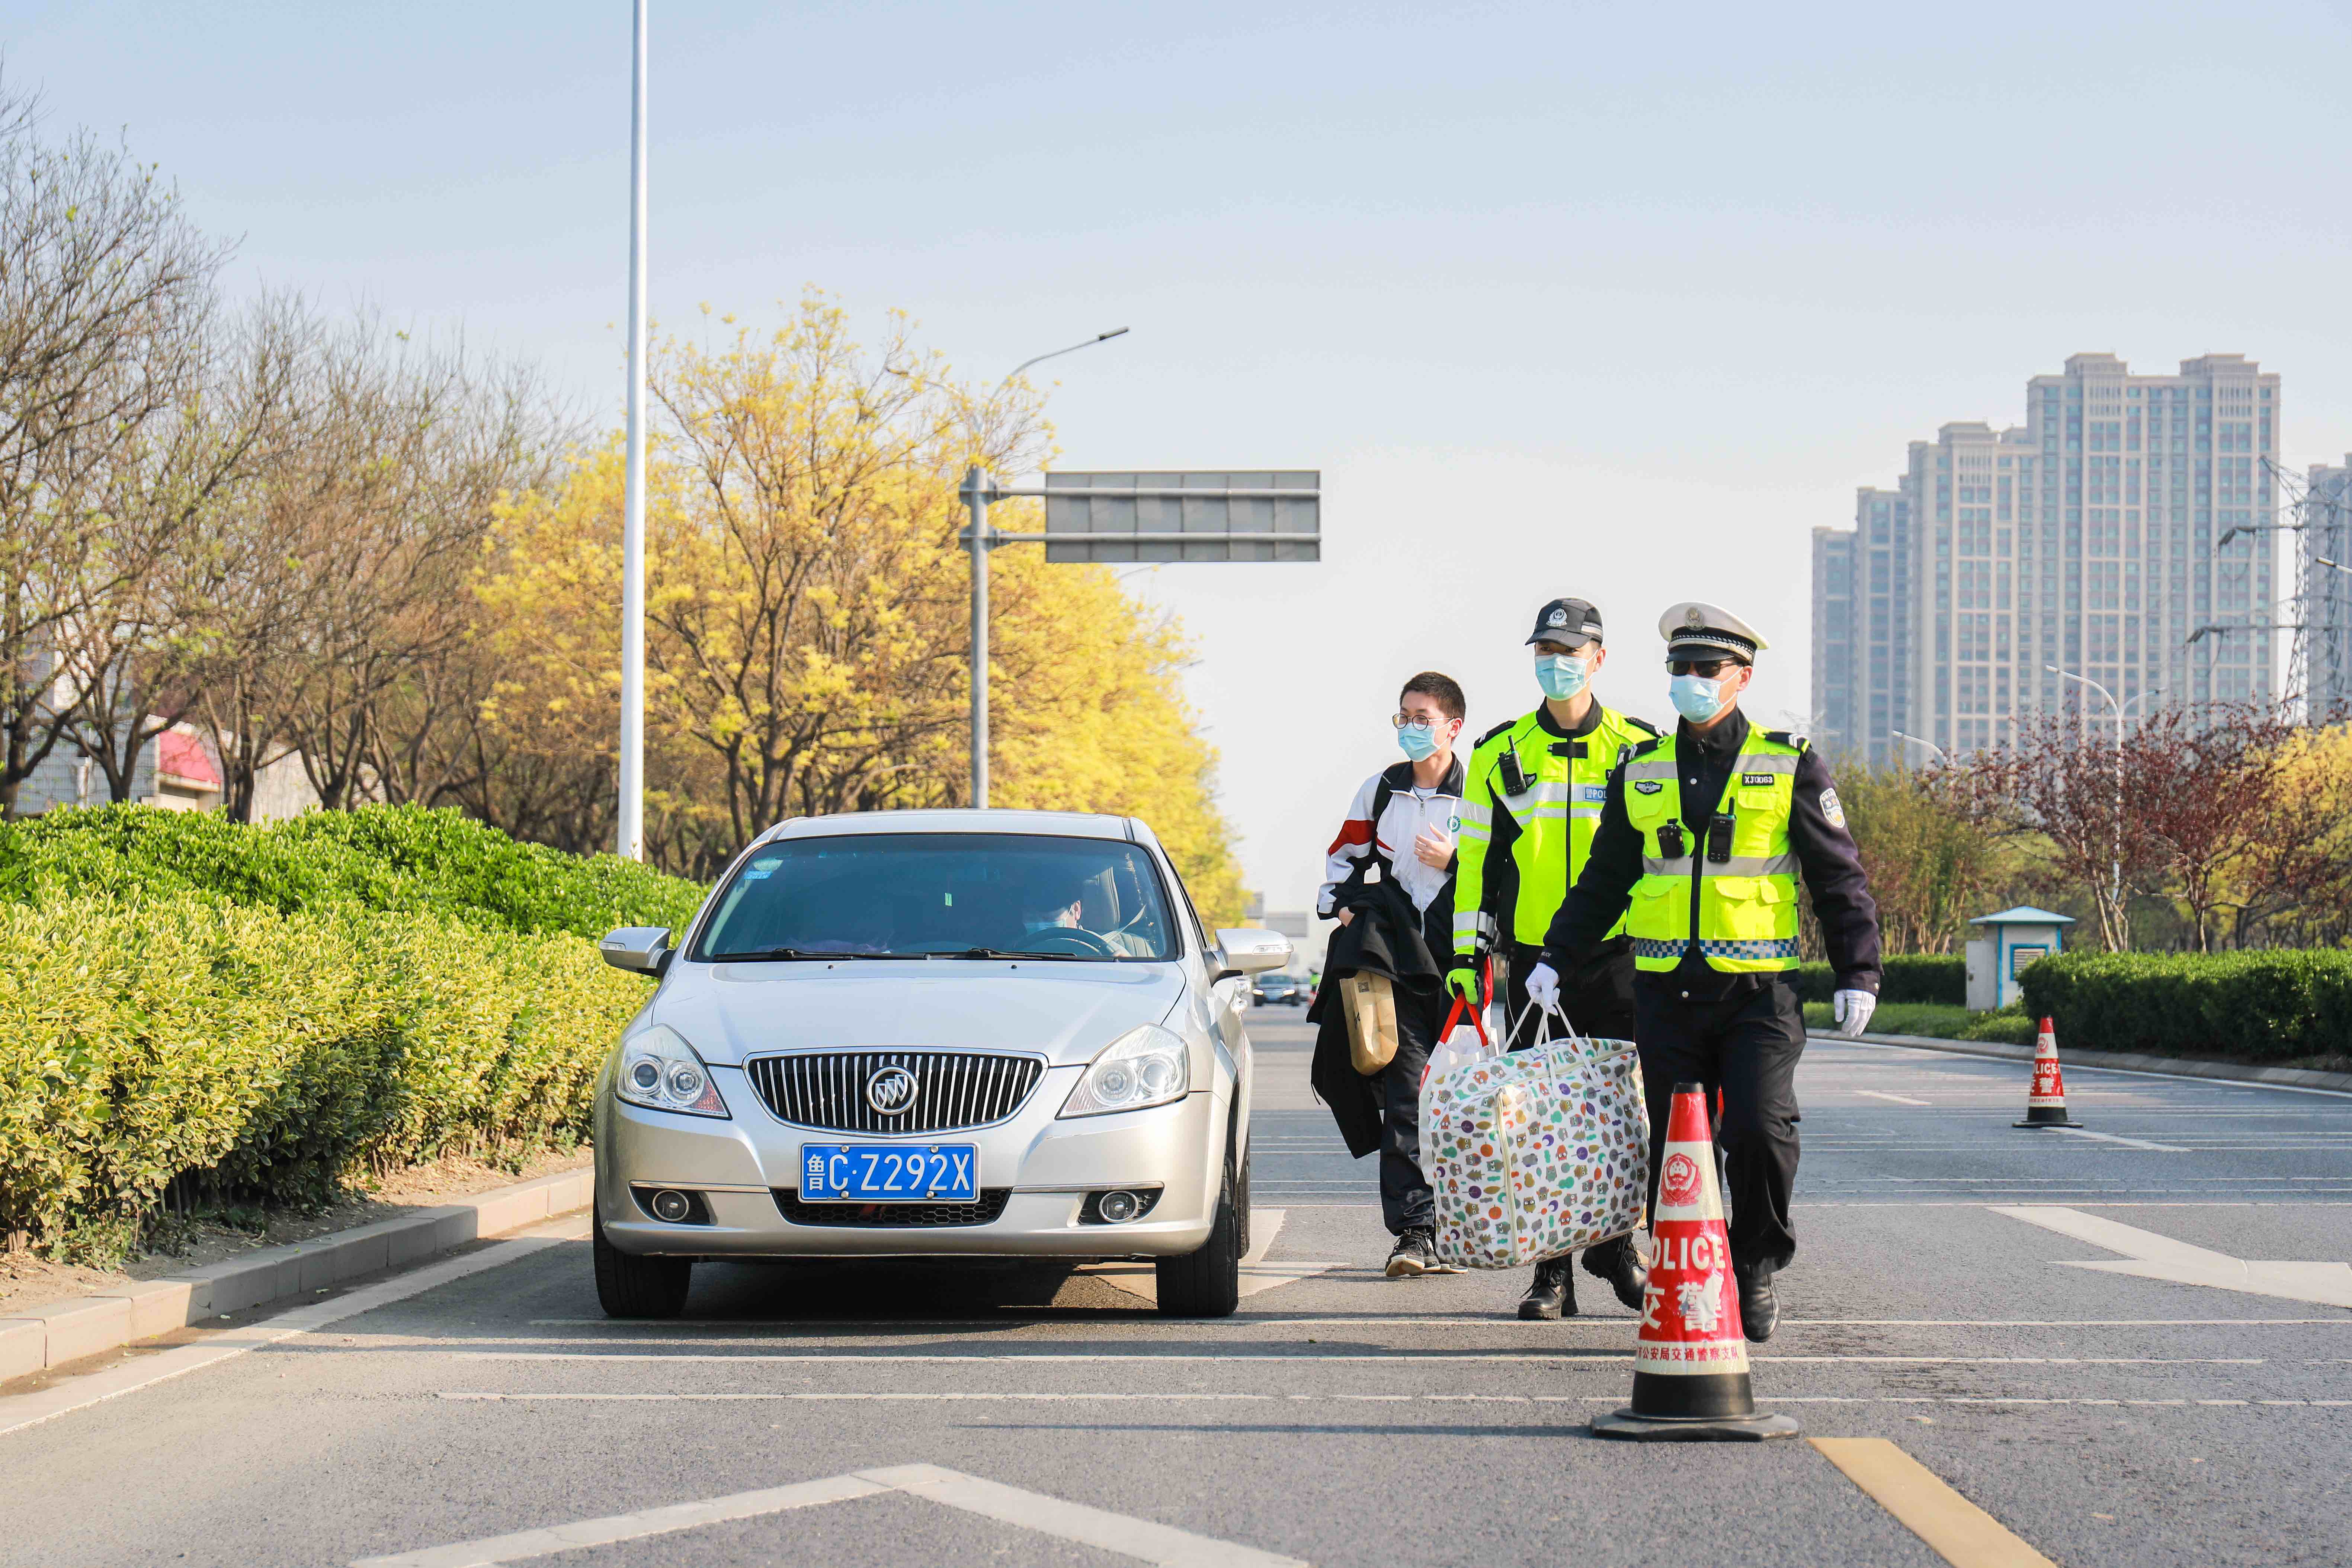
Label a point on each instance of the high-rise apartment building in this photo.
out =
(2087, 538)
(2327, 589)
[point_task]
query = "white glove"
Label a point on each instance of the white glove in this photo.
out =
(1543, 986)
(1853, 1010)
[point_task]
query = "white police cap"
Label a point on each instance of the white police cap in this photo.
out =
(1694, 629)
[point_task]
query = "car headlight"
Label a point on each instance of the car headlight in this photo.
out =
(1146, 1065)
(660, 1071)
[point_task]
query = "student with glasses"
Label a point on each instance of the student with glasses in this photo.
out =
(1530, 802)
(1701, 843)
(1401, 829)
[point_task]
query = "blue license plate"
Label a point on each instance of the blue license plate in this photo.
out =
(890, 1173)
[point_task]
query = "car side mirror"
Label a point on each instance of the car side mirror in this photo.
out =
(1251, 950)
(641, 950)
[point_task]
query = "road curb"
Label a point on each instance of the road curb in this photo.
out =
(42, 1337)
(2122, 1061)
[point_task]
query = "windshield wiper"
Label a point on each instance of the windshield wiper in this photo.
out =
(787, 954)
(1002, 953)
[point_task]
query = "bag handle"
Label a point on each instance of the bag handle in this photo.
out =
(1477, 1021)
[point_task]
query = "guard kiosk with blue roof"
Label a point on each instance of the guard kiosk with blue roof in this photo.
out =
(2013, 938)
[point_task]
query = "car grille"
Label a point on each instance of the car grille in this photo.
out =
(894, 1216)
(953, 1089)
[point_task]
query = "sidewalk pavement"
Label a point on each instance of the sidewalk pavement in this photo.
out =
(41, 1337)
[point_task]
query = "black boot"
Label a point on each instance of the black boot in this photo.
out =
(1620, 1263)
(1552, 1293)
(1759, 1310)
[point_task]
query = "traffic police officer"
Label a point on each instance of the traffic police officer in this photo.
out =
(1704, 835)
(1529, 804)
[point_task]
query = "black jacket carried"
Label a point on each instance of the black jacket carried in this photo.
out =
(1385, 938)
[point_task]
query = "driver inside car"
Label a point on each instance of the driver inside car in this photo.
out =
(1062, 906)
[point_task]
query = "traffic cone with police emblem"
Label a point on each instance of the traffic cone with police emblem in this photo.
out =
(2045, 1102)
(1690, 1362)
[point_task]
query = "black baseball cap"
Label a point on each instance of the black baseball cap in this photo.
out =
(1569, 621)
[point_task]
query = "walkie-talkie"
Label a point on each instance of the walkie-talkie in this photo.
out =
(1507, 769)
(1718, 838)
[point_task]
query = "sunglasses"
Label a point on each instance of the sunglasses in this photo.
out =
(1706, 669)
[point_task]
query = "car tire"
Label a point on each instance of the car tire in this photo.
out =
(628, 1285)
(1207, 1282)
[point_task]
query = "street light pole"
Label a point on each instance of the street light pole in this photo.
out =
(975, 492)
(631, 837)
(1916, 741)
(2115, 875)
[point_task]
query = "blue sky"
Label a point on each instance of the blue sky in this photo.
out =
(1609, 300)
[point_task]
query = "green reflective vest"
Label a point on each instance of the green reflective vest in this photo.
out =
(1735, 891)
(1547, 824)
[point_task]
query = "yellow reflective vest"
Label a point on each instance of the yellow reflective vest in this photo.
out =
(1731, 884)
(1546, 825)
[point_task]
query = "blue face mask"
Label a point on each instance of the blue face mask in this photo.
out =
(1560, 674)
(1417, 741)
(1696, 697)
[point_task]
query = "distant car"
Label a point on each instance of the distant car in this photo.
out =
(1276, 986)
(934, 1034)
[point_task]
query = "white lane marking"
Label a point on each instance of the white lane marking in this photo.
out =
(999, 1397)
(22, 1410)
(1286, 1358)
(2154, 1257)
(1122, 1533)
(2111, 1138)
(1897, 1099)
(894, 1325)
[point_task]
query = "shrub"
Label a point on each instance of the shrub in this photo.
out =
(278, 1053)
(384, 858)
(2267, 1005)
(1934, 977)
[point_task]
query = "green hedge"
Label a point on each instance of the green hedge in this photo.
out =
(1936, 977)
(275, 1011)
(377, 857)
(280, 1054)
(2267, 1005)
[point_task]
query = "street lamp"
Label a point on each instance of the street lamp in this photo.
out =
(631, 834)
(2115, 891)
(975, 494)
(1941, 754)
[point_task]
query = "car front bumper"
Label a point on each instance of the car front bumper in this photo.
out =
(739, 1166)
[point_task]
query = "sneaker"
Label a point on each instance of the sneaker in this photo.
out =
(1413, 1255)
(1759, 1309)
(1551, 1293)
(1620, 1263)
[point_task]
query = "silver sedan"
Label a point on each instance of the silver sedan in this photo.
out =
(934, 1034)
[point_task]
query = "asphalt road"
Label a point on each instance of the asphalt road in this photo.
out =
(2100, 1416)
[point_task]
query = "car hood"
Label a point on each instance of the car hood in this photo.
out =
(1069, 1011)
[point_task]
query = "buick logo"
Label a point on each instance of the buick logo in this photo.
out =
(891, 1092)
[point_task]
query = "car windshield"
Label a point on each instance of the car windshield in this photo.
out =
(943, 895)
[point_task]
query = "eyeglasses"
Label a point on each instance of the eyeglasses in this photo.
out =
(1706, 669)
(1416, 721)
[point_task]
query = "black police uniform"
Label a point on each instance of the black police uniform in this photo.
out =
(1741, 1034)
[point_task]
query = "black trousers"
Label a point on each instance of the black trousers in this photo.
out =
(1406, 1202)
(1598, 999)
(1743, 1039)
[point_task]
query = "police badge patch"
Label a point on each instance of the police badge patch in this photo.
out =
(1832, 809)
(1648, 786)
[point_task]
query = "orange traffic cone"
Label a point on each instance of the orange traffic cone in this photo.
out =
(1690, 1363)
(2045, 1102)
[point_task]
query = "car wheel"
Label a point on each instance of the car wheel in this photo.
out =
(628, 1285)
(1207, 1283)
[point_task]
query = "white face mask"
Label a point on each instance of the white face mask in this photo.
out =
(1560, 674)
(1696, 697)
